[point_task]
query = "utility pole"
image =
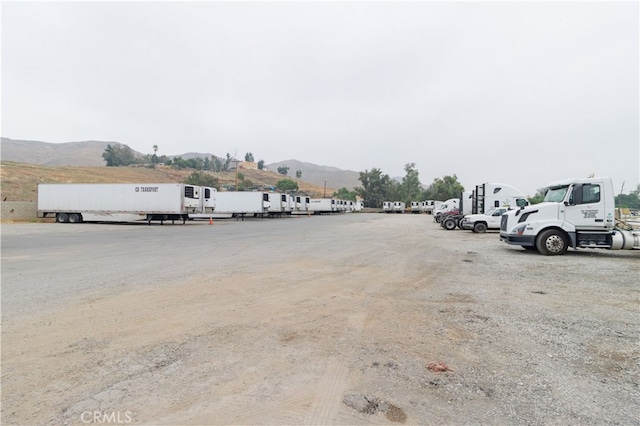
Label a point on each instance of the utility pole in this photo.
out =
(324, 194)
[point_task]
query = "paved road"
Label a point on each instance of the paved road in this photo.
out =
(43, 264)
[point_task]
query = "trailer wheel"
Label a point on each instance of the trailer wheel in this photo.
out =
(75, 218)
(449, 224)
(552, 243)
(62, 218)
(480, 227)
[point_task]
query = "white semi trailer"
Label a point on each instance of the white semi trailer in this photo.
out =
(238, 204)
(300, 205)
(577, 213)
(488, 202)
(279, 204)
(118, 202)
(323, 205)
(399, 206)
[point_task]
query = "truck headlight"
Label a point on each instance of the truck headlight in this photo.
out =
(519, 229)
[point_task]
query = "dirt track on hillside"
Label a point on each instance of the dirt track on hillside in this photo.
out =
(338, 328)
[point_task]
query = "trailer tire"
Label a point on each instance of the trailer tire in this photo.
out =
(75, 218)
(480, 227)
(62, 218)
(552, 243)
(449, 224)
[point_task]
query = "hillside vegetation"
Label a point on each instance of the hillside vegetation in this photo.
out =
(20, 181)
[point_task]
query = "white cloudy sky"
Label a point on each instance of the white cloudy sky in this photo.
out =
(521, 93)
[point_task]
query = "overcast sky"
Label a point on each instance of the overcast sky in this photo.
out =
(521, 93)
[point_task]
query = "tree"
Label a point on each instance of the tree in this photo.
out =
(287, 185)
(260, 164)
(444, 189)
(248, 157)
(540, 192)
(118, 155)
(345, 194)
(154, 158)
(227, 163)
(629, 201)
(216, 164)
(298, 174)
(283, 170)
(179, 163)
(375, 187)
(244, 184)
(202, 179)
(411, 188)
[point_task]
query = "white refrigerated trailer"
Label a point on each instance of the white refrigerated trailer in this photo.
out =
(238, 204)
(399, 206)
(279, 204)
(118, 202)
(300, 205)
(323, 205)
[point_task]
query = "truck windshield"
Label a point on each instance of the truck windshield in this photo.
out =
(556, 194)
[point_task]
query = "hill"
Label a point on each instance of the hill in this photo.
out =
(20, 181)
(320, 175)
(89, 154)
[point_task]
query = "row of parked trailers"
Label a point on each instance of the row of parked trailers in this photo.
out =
(260, 204)
(426, 206)
(75, 203)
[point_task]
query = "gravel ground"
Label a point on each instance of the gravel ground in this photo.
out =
(321, 320)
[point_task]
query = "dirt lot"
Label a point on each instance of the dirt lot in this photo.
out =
(321, 320)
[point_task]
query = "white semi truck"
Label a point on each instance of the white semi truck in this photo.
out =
(118, 202)
(488, 202)
(474, 206)
(577, 213)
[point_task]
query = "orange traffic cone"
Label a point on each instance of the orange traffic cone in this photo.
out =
(210, 220)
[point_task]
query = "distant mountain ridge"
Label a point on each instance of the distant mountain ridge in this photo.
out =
(331, 177)
(89, 154)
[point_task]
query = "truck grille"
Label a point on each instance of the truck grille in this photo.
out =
(503, 222)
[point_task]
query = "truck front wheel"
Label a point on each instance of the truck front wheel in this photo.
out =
(552, 243)
(480, 227)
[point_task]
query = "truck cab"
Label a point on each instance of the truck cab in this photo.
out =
(575, 213)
